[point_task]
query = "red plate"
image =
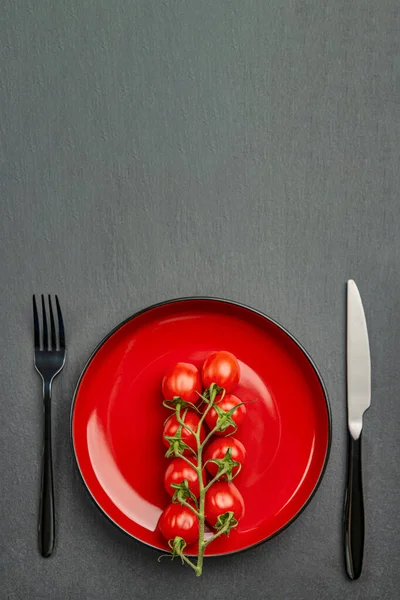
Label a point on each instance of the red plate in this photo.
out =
(117, 417)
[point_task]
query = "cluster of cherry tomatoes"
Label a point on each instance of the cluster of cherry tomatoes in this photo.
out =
(193, 466)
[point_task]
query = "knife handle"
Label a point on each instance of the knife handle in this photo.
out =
(354, 511)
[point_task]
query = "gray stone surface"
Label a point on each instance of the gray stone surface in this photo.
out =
(152, 149)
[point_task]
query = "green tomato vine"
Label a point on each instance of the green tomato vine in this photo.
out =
(182, 495)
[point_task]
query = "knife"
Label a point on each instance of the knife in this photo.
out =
(358, 401)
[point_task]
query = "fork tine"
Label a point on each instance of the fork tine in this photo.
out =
(52, 326)
(36, 324)
(45, 335)
(60, 325)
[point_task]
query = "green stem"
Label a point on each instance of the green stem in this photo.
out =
(224, 470)
(187, 561)
(209, 407)
(216, 428)
(203, 416)
(185, 458)
(181, 421)
(216, 535)
(184, 503)
(200, 554)
(202, 488)
(209, 436)
(202, 544)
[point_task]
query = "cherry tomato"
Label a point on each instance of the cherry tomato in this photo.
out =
(221, 498)
(223, 369)
(182, 380)
(192, 420)
(228, 402)
(178, 470)
(178, 520)
(218, 449)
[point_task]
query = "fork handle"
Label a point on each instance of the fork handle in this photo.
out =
(46, 518)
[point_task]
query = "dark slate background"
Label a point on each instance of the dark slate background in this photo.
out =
(151, 149)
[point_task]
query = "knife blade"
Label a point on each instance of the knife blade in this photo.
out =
(358, 401)
(358, 361)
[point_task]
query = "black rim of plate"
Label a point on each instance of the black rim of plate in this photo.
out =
(254, 311)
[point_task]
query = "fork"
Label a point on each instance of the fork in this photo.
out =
(49, 360)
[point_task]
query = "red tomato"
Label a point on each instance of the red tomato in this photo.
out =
(192, 420)
(228, 402)
(223, 369)
(218, 449)
(178, 520)
(178, 470)
(182, 380)
(221, 498)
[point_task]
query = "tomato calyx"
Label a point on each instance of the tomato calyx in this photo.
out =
(177, 546)
(176, 402)
(225, 523)
(176, 445)
(225, 420)
(212, 392)
(226, 466)
(182, 493)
